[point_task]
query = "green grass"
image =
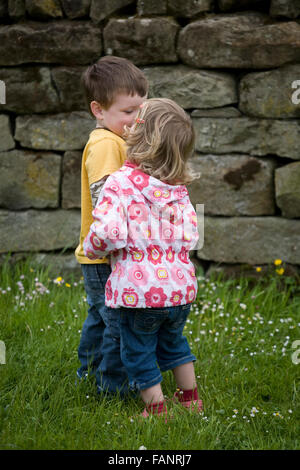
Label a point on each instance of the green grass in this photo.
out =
(241, 332)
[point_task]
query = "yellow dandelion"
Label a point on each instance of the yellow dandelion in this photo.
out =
(258, 269)
(278, 262)
(58, 279)
(280, 271)
(67, 284)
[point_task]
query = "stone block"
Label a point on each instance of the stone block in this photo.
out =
(142, 40)
(71, 183)
(253, 240)
(270, 94)
(247, 40)
(287, 188)
(6, 142)
(29, 90)
(189, 8)
(76, 8)
(153, 7)
(63, 131)
(44, 9)
(225, 112)
(29, 179)
(61, 264)
(256, 137)
(107, 8)
(190, 87)
(16, 9)
(60, 42)
(233, 185)
(67, 81)
(35, 230)
(3, 8)
(287, 8)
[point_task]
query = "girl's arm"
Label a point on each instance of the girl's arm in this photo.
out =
(190, 227)
(108, 232)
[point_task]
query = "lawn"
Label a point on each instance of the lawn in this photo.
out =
(244, 334)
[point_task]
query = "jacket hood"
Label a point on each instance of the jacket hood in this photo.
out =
(156, 191)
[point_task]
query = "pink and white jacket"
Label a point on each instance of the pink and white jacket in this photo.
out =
(148, 227)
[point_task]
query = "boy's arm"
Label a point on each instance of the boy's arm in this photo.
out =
(108, 232)
(95, 189)
(104, 158)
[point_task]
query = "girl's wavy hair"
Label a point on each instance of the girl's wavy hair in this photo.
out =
(161, 141)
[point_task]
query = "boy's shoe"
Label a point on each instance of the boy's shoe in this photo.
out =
(193, 402)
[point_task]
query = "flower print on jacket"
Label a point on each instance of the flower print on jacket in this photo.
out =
(137, 255)
(108, 290)
(178, 275)
(168, 231)
(159, 194)
(118, 270)
(193, 218)
(140, 179)
(154, 254)
(104, 206)
(190, 294)
(97, 243)
(183, 255)
(138, 212)
(176, 298)
(170, 254)
(129, 297)
(172, 214)
(148, 228)
(162, 275)
(138, 275)
(155, 297)
(114, 186)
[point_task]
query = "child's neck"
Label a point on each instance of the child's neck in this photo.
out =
(100, 125)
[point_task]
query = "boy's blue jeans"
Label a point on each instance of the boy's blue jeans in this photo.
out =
(99, 347)
(152, 341)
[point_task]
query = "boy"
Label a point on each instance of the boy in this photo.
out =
(115, 90)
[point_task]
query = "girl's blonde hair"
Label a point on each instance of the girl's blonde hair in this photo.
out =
(161, 141)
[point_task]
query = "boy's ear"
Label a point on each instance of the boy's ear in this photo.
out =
(96, 109)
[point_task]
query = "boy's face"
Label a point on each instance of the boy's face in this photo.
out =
(122, 112)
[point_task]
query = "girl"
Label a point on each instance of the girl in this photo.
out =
(145, 220)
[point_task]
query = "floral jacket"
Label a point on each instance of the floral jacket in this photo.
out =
(148, 227)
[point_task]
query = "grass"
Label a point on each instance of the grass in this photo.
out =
(242, 333)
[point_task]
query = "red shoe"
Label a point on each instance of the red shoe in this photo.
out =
(156, 409)
(194, 404)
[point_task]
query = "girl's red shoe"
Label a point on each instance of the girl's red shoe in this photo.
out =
(189, 399)
(156, 409)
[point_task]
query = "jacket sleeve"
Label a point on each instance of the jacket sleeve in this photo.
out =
(190, 227)
(109, 231)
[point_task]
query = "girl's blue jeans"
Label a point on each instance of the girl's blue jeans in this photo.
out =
(152, 342)
(99, 347)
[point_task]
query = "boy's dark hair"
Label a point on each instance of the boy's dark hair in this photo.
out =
(111, 75)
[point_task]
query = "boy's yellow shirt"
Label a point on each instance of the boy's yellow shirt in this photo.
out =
(103, 154)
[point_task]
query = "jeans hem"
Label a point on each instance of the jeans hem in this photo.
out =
(142, 386)
(179, 362)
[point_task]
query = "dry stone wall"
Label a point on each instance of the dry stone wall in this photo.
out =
(234, 65)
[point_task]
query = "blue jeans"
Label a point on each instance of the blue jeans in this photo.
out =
(152, 341)
(99, 347)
